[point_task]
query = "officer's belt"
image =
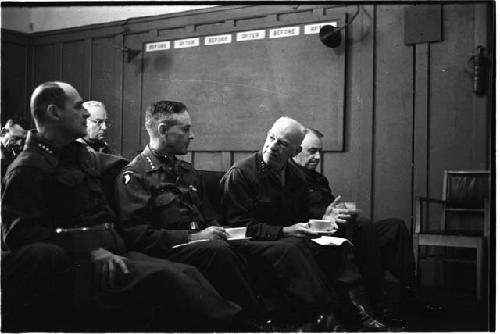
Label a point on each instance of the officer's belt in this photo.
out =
(84, 239)
(101, 227)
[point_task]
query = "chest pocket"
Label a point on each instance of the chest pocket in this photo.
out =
(165, 198)
(70, 177)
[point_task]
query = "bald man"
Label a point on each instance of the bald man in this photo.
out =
(268, 194)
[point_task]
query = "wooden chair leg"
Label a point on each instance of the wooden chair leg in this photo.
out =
(479, 271)
(417, 258)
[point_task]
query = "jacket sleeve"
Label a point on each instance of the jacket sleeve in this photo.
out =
(238, 200)
(23, 218)
(133, 202)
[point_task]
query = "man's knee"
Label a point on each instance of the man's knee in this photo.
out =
(49, 257)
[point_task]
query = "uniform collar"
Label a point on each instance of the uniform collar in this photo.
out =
(43, 146)
(292, 173)
(156, 160)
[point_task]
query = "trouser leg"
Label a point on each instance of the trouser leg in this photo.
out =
(180, 297)
(292, 272)
(36, 288)
(396, 249)
(225, 269)
(364, 235)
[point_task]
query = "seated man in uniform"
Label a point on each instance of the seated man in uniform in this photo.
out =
(267, 193)
(97, 127)
(381, 245)
(54, 212)
(162, 205)
(12, 141)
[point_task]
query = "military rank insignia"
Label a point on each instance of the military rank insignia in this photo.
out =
(126, 177)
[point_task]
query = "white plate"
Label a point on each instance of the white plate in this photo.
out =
(234, 239)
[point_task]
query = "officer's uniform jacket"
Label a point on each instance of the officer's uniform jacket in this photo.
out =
(320, 195)
(160, 201)
(95, 145)
(48, 188)
(253, 196)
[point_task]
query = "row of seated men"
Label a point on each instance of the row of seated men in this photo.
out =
(139, 238)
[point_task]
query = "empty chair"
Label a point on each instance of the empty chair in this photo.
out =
(465, 198)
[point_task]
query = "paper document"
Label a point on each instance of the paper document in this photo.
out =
(189, 243)
(331, 241)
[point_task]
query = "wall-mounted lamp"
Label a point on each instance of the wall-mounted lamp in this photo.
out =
(331, 36)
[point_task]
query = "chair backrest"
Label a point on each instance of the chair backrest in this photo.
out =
(210, 183)
(466, 192)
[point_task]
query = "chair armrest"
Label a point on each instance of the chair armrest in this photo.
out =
(431, 200)
(419, 210)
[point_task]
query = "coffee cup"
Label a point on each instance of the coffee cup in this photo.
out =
(351, 206)
(236, 232)
(320, 225)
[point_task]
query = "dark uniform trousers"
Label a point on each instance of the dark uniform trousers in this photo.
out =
(380, 245)
(47, 188)
(160, 200)
(289, 277)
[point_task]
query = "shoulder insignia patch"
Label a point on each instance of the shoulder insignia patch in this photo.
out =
(126, 177)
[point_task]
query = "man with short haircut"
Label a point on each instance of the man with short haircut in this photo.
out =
(267, 193)
(381, 245)
(54, 212)
(163, 211)
(12, 141)
(97, 127)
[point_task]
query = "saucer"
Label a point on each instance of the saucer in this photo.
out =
(323, 232)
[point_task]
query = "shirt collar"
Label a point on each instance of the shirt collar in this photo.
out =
(156, 160)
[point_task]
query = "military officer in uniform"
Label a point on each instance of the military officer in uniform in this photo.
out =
(54, 212)
(381, 245)
(97, 128)
(162, 207)
(267, 193)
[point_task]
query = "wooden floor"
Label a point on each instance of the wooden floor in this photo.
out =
(462, 313)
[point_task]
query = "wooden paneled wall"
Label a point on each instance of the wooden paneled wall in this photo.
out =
(409, 109)
(16, 81)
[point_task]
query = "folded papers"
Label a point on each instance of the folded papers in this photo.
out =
(331, 241)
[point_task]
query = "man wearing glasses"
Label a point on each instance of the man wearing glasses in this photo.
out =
(97, 127)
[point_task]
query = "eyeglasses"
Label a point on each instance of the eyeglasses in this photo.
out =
(100, 122)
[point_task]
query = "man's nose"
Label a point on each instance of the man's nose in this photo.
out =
(191, 135)
(317, 155)
(104, 126)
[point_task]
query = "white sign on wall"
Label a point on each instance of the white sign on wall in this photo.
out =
(158, 46)
(284, 32)
(250, 35)
(218, 39)
(186, 43)
(314, 28)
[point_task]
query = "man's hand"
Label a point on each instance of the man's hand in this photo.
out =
(298, 230)
(336, 215)
(210, 233)
(105, 267)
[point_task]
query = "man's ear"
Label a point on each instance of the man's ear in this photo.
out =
(53, 112)
(297, 151)
(162, 129)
